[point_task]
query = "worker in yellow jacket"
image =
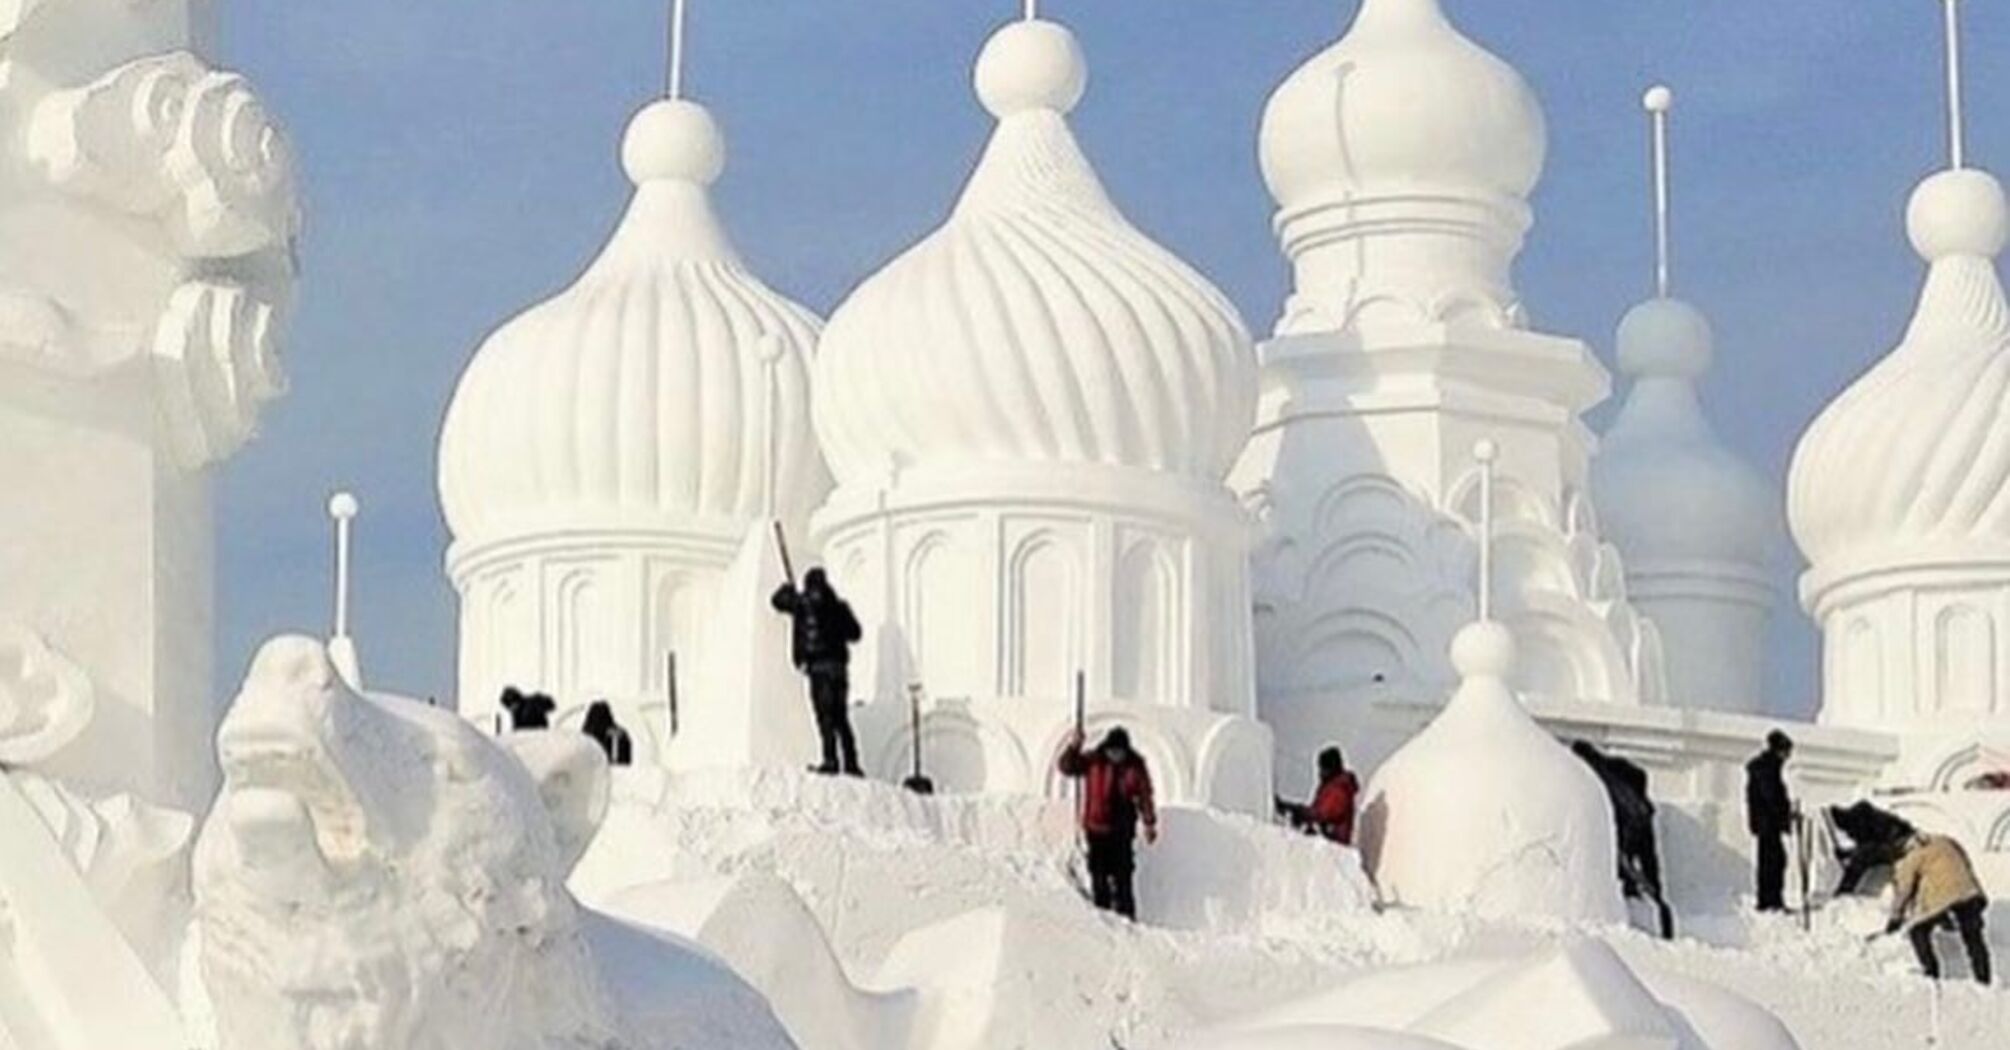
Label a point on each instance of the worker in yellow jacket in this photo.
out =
(1935, 887)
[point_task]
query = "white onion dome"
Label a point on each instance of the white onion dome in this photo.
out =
(1668, 492)
(1403, 100)
(1037, 324)
(1909, 465)
(638, 395)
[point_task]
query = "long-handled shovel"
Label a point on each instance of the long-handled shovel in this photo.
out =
(917, 783)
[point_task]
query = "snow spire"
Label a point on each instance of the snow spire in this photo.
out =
(676, 74)
(343, 508)
(1957, 145)
(1486, 452)
(1659, 100)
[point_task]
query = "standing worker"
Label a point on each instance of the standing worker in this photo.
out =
(1769, 812)
(1935, 886)
(1116, 798)
(825, 631)
(1331, 812)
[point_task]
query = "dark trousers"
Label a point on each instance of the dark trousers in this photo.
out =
(830, 696)
(1112, 868)
(1967, 918)
(1773, 871)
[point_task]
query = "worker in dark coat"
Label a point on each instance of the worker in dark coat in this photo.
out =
(1116, 800)
(527, 711)
(1769, 813)
(605, 731)
(1330, 814)
(1627, 785)
(824, 632)
(1877, 839)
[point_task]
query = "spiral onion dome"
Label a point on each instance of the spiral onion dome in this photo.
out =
(1036, 325)
(1403, 100)
(638, 395)
(1911, 464)
(1668, 491)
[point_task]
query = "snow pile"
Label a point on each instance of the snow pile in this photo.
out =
(1579, 995)
(1483, 812)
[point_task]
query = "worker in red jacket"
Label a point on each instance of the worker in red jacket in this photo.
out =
(1331, 814)
(1116, 799)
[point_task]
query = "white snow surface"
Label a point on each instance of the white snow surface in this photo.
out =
(954, 923)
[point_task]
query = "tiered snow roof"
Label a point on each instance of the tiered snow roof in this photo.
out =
(1037, 324)
(641, 392)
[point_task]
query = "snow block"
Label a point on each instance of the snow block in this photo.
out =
(751, 707)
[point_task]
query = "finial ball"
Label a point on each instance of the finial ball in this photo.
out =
(673, 139)
(1031, 65)
(1659, 99)
(1666, 339)
(1958, 212)
(1485, 450)
(343, 506)
(1483, 649)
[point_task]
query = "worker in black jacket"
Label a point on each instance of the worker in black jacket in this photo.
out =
(1769, 813)
(825, 631)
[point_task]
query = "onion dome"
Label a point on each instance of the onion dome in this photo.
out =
(1909, 465)
(1402, 98)
(640, 393)
(1401, 159)
(1668, 492)
(1037, 324)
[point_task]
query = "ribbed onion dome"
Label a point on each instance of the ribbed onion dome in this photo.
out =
(1912, 462)
(1667, 489)
(639, 393)
(1403, 100)
(1036, 325)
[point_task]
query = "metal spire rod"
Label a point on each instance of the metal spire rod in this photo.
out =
(1486, 452)
(676, 85)
(1659, 100)
(343, 508)
(1032, 10)
(1957, 146)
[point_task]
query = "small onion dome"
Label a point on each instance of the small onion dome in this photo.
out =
(641, 390)
(1668, 492)
(1484, 812)
(1402, 102)
(1036, 324)
(1911, 462)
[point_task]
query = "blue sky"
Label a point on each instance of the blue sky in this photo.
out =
(460, 163)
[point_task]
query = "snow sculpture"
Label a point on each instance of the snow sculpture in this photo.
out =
(1484, 812)
(664, 399)
(1577, 996)
(1401, 159)
(1903, 522)
(378, 874)
(147, 226)
(1029, 414)
(1696, 524)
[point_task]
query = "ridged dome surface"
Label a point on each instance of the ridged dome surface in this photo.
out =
(1036, 325)
(1914, 458)
(639, 394)
(1402, 100)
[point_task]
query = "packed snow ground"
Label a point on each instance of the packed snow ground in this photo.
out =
(879, 920)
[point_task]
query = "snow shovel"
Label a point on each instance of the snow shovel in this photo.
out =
(1803, 849)
(917, 783)
(1078, 863)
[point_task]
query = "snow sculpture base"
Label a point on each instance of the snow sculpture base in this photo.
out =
(377, 873)
(1485, 813)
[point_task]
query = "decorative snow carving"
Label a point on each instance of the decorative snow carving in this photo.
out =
(215, 359)
(378, 874)
(45, 700)
(167, 135)
(132, 856)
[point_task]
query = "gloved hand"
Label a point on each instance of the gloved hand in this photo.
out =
(1893, 926)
